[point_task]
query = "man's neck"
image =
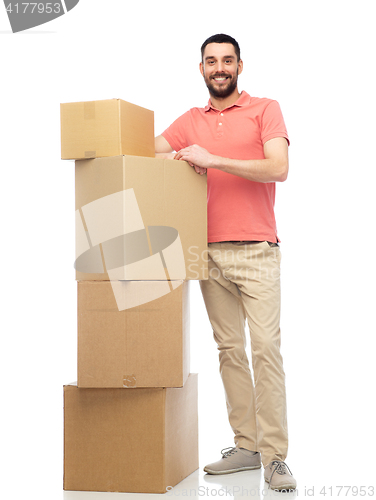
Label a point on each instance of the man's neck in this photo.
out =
(225, 102)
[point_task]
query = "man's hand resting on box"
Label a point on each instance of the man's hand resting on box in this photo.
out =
(173, 156)
(164, 150)
(197, 157)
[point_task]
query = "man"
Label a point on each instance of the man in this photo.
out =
(242, 144)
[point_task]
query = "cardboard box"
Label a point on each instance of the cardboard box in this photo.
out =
(130, 440)
(110, 127)
(140, 218)
(144, 345)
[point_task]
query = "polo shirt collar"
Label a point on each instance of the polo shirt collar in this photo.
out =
(243, 100)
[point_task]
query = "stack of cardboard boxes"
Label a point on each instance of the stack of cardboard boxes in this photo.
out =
(130, 422)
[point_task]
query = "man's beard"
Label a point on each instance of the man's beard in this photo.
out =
(222, 91)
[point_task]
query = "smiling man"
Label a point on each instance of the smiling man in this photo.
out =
(241, 143)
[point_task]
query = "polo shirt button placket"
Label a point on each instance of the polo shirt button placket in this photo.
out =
(220, 125)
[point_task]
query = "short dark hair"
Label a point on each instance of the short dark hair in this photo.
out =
(221, 38)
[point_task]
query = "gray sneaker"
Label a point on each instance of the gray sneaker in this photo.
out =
(279, 476)
(234, 460)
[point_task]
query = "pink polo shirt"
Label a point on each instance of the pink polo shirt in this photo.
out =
(238, 209)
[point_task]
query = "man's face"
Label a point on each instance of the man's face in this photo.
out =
(220, 69)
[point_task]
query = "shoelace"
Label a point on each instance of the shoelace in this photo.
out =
(279, 467)
(228, 451)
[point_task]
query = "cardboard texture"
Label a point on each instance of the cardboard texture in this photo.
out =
(142, 346)
(109, 127)
(140, 218)
(130, 440)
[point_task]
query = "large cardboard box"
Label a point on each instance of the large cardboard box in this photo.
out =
(130, 440)
(146, 344)
(140, 218)
(109, 127)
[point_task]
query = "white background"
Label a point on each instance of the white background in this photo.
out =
(317, 60)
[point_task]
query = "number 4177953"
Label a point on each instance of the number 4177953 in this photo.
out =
(34, 8)
(348, 491)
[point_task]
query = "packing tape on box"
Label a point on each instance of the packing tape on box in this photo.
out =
(130, 250)
(90, 154)
(129, 381)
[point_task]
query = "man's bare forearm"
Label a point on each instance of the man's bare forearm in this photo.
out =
(264, 170)
(274, 168)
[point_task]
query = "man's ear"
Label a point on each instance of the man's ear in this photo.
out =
(240, 66)
(201, 68)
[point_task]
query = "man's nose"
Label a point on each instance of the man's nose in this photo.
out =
(220, 67)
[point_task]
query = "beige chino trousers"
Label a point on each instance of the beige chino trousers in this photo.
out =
(244, 284)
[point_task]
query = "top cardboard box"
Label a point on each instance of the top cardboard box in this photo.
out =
(111, 127)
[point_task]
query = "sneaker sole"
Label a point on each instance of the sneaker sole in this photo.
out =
(282, 486)
(230, 471)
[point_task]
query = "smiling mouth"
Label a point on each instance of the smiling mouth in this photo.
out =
(220, 79)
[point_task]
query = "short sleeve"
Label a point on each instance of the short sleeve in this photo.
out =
(176, 133)
(272, 123)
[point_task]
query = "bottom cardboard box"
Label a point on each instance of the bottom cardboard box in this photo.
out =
(139, 440)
